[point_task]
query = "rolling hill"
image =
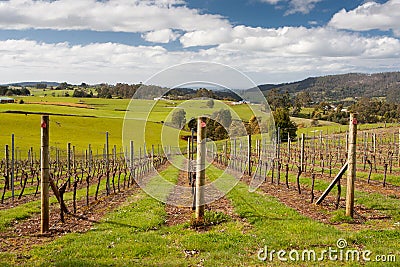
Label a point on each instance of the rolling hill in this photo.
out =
(344, 86)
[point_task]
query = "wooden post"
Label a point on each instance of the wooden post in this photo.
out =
(374, 143)
(69, 163)
(192, 149)
(45, 174)
(132, 155)
(399, 150)
(7, 173)
(200, 168)
(114, 154)
(298, 148)
(351, 173)
(145, 157)
(31, 156)
(90, 157)
(234, 154)
(289, 142)
(107, 166)
(73, 158)
(365, 141)
(12, 165)
(188, 161)
(302, 152)
(278, 150)
(249, 154)
(152, 155)
(226, 153)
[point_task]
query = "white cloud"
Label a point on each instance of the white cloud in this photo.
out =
(266, 54)
(108, 62)
(206, 37)
(112, 15)
(276, 55)
(272, 2)
(370, 16)
(301, 6)
(294, 41)
(161, 36)
(295, 6)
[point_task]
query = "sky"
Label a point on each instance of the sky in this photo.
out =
(270, 41)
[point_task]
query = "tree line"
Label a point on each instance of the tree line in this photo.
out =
(6, 91)
(344, 88)
(221, 125)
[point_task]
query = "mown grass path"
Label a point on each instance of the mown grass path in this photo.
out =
(135, 234)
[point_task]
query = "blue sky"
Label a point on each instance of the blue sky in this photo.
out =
(128, 41)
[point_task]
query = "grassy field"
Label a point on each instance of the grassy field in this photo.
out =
(136, 233)
(85, 121)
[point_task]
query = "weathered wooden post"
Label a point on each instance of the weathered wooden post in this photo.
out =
(200, 168)
(114, 152)
(374, 143)
(192, 147)
(289, 142)
(398, 156)
(226, 153)
(90, 157)
(249, 154)
(69, 163)
(321, 144)
(132, 155)
(7, 174)
(12, 165)
(234, 155)
(188, 161)
(45, 174)
(152, 155)
(352, 161)
(32, 159)
(140, 162)
(278, 145)
(107, 166)
(73, 158)
(302, 152)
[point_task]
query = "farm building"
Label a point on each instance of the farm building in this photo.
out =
(4, 100)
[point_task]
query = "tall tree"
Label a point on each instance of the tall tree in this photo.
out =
(277, 99)
(253, 127)
(178, 119)
(223, 116)
(210, 103)
(282, 120)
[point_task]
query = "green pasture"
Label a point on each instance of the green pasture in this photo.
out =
(135, 234)
(88, 123)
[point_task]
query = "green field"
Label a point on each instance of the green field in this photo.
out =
(88, 122)
(136, 233)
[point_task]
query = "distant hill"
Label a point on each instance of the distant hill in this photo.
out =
(344, 86)
(333, 88)
(32, 84)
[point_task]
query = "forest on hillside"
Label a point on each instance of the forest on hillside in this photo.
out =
(344, 88)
